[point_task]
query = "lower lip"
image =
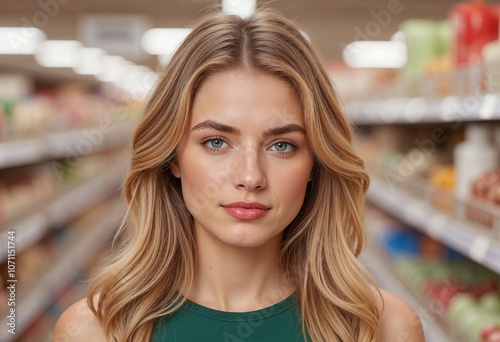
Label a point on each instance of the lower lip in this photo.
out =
(246, 213)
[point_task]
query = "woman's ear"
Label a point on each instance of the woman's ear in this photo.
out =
(174, 168)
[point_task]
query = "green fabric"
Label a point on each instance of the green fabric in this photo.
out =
(192, 323)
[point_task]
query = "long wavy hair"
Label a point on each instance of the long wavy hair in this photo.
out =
(153, 253)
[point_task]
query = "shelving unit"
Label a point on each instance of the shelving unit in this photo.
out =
(388, 280)
(445, 103)
(469, 93)
(58, 145)
(62, 208)
(67, 206)
(478, 244)
(68, 266)
(410, 110)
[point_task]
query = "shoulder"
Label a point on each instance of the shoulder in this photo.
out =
(398, 321)
(78, 324)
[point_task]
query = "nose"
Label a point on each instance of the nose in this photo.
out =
(250, 172)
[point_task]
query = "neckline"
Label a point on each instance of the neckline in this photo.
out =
(253, 315)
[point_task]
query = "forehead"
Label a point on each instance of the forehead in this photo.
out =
(237, 95)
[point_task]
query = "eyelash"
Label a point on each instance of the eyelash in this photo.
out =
(210, 149)
(215, 150)
(293, 145)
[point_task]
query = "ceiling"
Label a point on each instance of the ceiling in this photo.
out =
(330, 24)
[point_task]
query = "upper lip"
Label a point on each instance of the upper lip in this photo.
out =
(247, 205)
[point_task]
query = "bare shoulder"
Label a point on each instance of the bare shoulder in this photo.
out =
(78, 324)
(398, 321)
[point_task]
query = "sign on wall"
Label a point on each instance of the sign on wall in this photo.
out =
(117, 34)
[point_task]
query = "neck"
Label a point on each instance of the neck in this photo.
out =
(237, 279)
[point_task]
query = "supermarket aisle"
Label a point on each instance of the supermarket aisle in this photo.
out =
(424, 96)
(63, 154)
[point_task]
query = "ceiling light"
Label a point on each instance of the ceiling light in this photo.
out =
(139, 81)
(89, 61)
(242, 8)
(375, 54)
(163, 41)
(113, 68)
(58, 53)
(20, 40)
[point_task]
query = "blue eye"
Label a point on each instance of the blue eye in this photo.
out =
(215, 144)
(283, 147)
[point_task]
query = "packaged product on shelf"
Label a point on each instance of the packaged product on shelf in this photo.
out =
(474, 25)
(442, 179)
(30, 117)
(422, 45)
(486, 190)
(13, 89)
(75, 106)
(32, 261)
(22, 188)
(429, 53)
(463, 295)
(478, 319)
(473, 157)
(491, 58)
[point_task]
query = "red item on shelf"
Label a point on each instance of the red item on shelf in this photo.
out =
(491, 334)
(474, 25)
(486, 188)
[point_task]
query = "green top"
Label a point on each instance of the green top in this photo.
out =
(193, 322)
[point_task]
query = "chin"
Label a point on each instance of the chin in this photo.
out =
(248, 239)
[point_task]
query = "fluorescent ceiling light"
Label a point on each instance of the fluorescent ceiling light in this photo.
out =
(89, 61)
(242, 8)
(375, 54)
(58, 53)
(163, 41)
(164, 59)
(139, 81)
(113, 68)
(20, 40)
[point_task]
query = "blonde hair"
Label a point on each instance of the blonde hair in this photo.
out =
(153, 259)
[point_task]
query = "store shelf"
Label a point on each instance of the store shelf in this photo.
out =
(412, 110)
(388, 280)
(67, 144)
(62, 209)
(72, 262)
(478, 244)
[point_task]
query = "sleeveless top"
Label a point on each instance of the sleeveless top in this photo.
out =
(196, 323)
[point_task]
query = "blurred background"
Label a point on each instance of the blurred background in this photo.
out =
(418, 79)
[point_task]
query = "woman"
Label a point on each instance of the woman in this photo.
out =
(245, 205)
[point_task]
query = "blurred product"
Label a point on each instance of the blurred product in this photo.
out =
(474, 25)
(485, 189)
(422, 43)
(473, 157)
(442, 179)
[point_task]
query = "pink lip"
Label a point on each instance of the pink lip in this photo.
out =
(246, 210)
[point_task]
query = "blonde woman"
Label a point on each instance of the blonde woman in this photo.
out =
(245, 205)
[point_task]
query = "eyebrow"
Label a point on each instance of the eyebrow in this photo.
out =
(218, 126)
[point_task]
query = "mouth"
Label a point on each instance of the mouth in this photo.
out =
(247, 205)
(246, 210)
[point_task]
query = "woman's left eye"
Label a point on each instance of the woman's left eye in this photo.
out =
(283, 147)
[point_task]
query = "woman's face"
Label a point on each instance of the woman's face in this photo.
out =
(245, 162)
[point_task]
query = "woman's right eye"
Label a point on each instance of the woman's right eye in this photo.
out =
(215, 144)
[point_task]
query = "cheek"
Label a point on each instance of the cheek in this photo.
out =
(293, 184)
(201, 184)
